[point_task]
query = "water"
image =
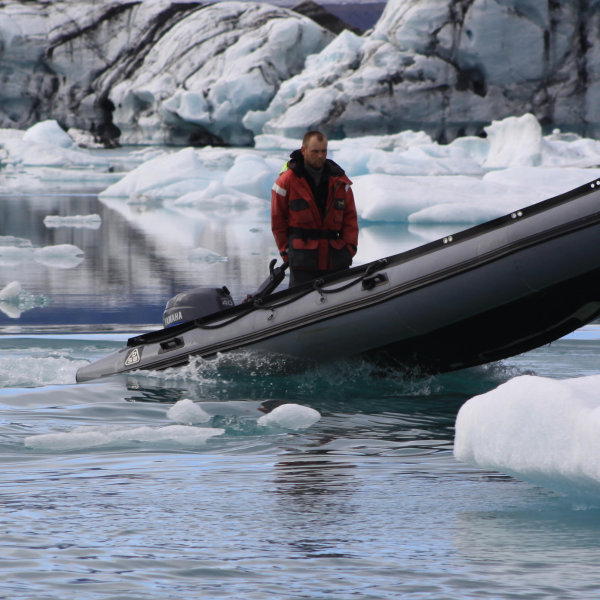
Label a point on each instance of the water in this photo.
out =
(105, 496)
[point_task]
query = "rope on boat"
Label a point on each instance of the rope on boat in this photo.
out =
(317, 286)
(318, 283)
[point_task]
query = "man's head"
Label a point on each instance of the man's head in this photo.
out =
(314, 149)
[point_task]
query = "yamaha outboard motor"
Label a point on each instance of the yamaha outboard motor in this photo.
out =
(195, 303)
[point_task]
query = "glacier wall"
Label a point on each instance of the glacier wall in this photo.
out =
(186, 73)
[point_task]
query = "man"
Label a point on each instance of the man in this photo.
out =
(313, 215)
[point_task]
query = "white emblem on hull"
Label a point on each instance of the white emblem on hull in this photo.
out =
(133, 357)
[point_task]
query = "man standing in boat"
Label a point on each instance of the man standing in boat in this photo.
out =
(313, 215)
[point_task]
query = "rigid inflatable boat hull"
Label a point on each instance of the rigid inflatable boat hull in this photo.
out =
(484, 294)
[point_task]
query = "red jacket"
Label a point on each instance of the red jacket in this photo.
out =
(308, 237)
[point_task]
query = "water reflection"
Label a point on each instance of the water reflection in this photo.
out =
(132, 264)
(139, 255)
(548, 541)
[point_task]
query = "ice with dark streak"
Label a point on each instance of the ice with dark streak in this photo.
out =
(188, 73)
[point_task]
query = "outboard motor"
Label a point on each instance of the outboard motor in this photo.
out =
(195, 303)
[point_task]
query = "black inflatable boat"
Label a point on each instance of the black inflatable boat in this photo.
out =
(486, 293)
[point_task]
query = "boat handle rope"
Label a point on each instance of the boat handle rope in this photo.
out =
(379, 264)
(317, 286)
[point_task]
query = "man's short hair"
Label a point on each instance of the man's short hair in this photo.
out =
(321, 137)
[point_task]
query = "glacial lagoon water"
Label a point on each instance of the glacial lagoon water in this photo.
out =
(106, 495)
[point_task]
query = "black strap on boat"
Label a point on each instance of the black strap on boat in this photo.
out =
(318, 283)
(301, 292)
(379, 264)
(314, 234)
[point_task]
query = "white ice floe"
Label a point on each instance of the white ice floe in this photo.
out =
(9, 299)
(15, 300)
(540, 430)
(404, 177)
(217, 197)
(187, 412)
(253, 174)
(48, 133)
(166, 176)
(46, 144)
(60, 256)
(14, 251)
(82, 438)
(10, 292)
(77, 221)
(290, 416)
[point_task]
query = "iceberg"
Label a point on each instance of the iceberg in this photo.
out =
(200, 78)
(540, 430)
(404, 177)
(166, 176)
(46, 144)
(187, 73)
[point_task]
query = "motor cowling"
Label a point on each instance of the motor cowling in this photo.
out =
(196, 303)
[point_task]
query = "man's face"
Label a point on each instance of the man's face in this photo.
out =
(315, 152)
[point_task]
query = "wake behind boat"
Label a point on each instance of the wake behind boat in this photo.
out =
(486, 293)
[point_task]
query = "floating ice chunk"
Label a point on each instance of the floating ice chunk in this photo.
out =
(60, 256)
(14, 255)
(88, 221)
(11, 310)
(11, 291)
(82, 438)
(540, 182)
(14, 300)
(218, 196)
(11, 240)
(514, 141)
(166, 176)
(205, 255)
(252, 174)
(570, 150)
(544, 431)
(46, 144)
(17, 250)
(387, 198)
(48, 133)
(459, 212)
(290, 416)
(461, 198)
(187, 412)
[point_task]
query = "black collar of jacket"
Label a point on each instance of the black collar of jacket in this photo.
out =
(296, 164)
